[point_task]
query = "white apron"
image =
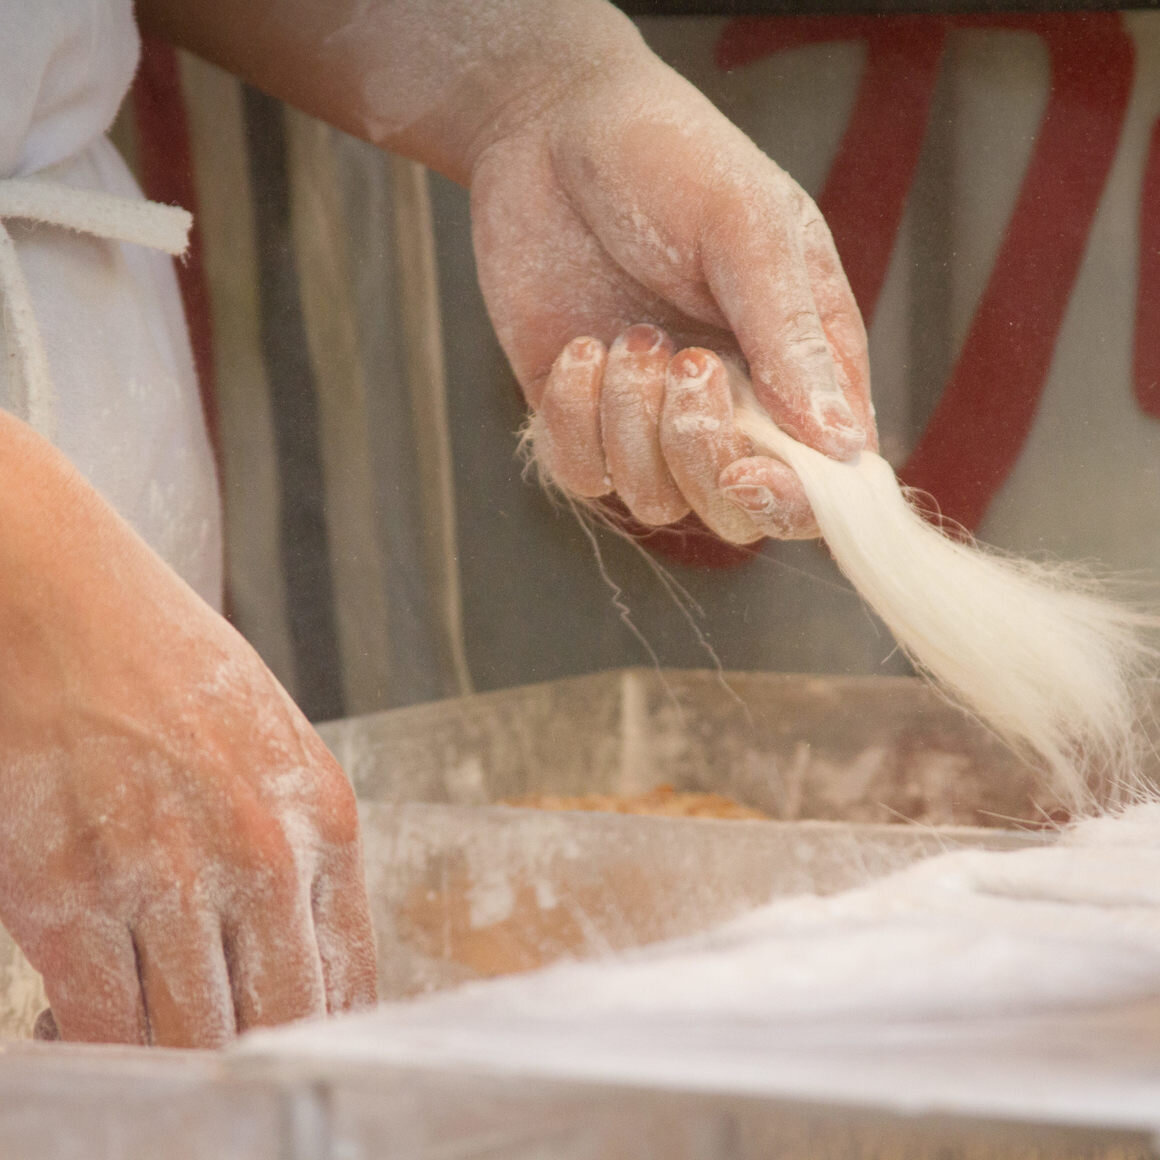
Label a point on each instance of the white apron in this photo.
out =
(125, 407)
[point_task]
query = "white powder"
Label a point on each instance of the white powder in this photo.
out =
(919, 990)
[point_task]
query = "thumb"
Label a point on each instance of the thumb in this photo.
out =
(755, 261)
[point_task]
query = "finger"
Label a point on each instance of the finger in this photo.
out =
(567, 423)
(183, 975)
(840, 317)
(275, 969)
(754, 261)
(699, 440)
(342, 926)
(771, 495)
(90, 978)
(630, 409)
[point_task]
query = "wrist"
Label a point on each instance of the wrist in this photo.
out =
(434, 81)
(489, 74)
(74, 577)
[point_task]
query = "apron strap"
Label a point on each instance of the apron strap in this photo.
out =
(103, 215)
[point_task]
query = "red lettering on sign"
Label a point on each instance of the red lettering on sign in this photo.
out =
(1146, 356)
(985, 413)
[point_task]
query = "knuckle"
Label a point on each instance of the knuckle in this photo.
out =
(273, 876)
(808, 348)
(627, 412)
(814, 227)
(802, 337)
(802, 325)
(801, 201)
(337, 809)
(694, 426)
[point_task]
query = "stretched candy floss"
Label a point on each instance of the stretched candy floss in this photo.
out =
(1036, 651)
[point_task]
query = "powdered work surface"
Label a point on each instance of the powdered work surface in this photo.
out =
(1021, 984)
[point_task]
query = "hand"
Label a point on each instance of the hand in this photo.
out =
(179, 854)
(626, 198)
(606, 191)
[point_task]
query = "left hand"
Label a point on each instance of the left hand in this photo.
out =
(627, 199)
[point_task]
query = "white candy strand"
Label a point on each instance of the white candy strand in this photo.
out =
(1039, 654)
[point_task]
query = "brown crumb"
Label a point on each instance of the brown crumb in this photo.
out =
(664, 801)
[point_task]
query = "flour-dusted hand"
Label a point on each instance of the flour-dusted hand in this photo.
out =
(626, 198)
(179, 854)
(606, 192)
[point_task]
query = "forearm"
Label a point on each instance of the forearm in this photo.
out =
(434, 80)
(66, 561)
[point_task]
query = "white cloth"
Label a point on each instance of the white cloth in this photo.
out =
(126, 410)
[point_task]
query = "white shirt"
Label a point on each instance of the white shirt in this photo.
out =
(128, 410)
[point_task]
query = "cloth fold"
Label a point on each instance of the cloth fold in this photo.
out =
(104, 215)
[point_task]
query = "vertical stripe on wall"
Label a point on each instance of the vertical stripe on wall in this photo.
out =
(250, 482)
(399, 432)
(304, 542)
(321, 235)
(421, 314)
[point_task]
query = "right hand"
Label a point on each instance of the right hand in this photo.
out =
(618, 196)
(179, 853)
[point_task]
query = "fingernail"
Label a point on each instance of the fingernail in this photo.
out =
(752, 497)
(690, 366)
(582, 350)
(642, 338)
(838, 420)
